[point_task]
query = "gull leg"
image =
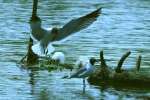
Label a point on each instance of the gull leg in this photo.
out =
(84, 85)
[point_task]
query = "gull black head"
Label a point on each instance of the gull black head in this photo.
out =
(93, 60)
(55, 30)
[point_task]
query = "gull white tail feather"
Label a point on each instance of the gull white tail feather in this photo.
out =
(33, 38)
(39, 50)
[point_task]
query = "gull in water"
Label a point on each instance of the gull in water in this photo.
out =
(85, 71)
(46, 37)
(58, 57)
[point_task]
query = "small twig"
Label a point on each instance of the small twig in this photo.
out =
(23, 59)
(104, 71)
(120, 63)
(138, 62)
(103, 63)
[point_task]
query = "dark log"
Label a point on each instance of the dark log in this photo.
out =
(123, 79)
(120, 63)
(32, 58)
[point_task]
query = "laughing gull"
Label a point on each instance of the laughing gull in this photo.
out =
(46, 37)
(85, 71)
(37, 34)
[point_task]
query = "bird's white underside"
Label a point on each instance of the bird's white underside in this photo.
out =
(37, 49)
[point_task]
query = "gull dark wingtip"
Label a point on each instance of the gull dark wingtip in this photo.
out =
(99, 10)
(95, 13)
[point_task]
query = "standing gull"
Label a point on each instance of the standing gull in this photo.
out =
(85, 71)
(47, 37)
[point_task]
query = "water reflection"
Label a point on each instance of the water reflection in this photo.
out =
(32, 81)
(43, 95)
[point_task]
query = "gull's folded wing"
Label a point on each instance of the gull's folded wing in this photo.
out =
(78, 24)
(77, 74)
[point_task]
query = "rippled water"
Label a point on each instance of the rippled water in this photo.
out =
(124, 25)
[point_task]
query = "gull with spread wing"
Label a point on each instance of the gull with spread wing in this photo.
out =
(46, 37)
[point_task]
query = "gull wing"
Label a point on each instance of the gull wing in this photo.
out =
(77, 74)
(78, 24)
